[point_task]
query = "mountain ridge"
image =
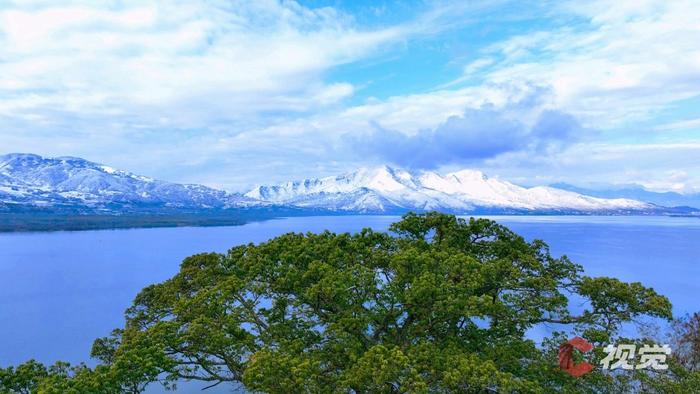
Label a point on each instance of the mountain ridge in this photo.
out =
(460, 191)
(29, 180)
(636, 192)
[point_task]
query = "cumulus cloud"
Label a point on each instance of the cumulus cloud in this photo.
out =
(477, 134)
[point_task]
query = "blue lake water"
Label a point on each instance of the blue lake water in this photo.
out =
(61, 290)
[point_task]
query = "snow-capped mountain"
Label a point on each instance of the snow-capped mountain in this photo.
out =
(636, 192)
(27, 179)
(384, 189)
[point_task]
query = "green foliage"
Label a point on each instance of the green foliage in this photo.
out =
(60, 378)
(23, 379)
(440, 304)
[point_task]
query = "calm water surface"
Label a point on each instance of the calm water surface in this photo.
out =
(59, 291)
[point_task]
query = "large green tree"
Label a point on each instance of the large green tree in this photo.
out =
(438, 304)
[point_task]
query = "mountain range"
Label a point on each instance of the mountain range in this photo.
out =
(386, 189)
(29, 181)
(635, 192)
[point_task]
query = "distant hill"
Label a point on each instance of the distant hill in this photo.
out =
(637, 192)
(74, 183)
(387, 189)
(30, 183)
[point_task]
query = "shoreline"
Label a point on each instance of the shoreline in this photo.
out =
(17, 223)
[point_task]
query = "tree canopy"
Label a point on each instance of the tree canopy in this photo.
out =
(437, 304)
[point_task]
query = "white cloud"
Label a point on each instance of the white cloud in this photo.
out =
(168, 88)
(187, 61)
(658, 166)
(615, 67)
(201, 91)
(620, 62)
(679, 125)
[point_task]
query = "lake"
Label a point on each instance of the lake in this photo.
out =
(61, 290)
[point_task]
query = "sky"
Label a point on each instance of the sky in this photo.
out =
(236, 93)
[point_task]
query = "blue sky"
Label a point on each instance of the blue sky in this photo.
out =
(230, 93)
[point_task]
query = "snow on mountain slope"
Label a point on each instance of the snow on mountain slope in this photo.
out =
(385, 188)
(35, 180)
(32, 180)
(481, 190)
